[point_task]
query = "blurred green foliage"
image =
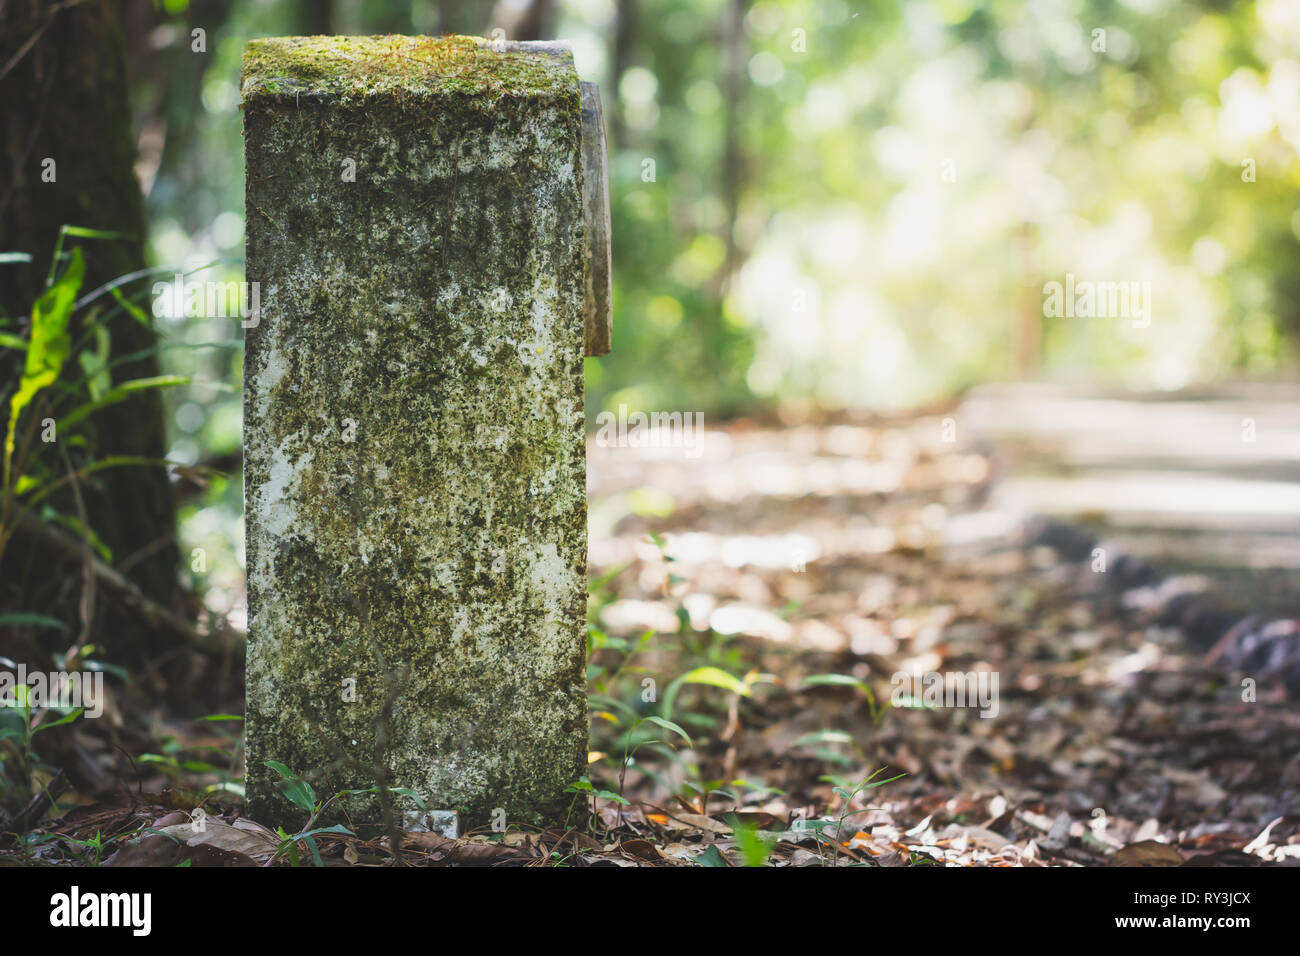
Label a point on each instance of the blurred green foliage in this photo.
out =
(845, 203)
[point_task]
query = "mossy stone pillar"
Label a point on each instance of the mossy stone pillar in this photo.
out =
(415, 467)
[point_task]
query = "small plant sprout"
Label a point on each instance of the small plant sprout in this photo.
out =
(301, 794)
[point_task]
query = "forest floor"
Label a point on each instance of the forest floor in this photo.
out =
(762, 594)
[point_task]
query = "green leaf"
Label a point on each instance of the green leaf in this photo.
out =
(296, 789)
(838, 680)
(94, 362)
(64, 719)
(84, 232)
(913, 703)
(597, 583)
(132, 309)
(668, 725)
(30, 619)
(716, 677)
(337, 828)
(712, 857)
(711, 676)
(823, 737)
(198, 766)
(76, 526)
(844, 680)
(119, 393)
(47, 349)
(881, 783)
(598, 701)
(754, 846)
(408, 792)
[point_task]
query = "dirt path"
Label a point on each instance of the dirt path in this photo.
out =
(863, 551)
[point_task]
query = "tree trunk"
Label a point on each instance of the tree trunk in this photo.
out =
(317, 17)
(463, 17)
(65, 99)
(620, 61)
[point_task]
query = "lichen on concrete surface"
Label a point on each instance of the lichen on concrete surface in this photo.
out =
(414, 461)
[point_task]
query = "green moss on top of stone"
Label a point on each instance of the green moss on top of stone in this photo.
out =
(345, 68)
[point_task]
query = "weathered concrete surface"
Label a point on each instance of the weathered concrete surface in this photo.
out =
(413, 423)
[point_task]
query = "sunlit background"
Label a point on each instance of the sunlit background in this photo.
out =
(825, 206)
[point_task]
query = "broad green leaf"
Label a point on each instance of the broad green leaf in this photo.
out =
(716, 677)
(296, 789)
(710, 676)
(47, 348)
(754, 846)
(712, 857)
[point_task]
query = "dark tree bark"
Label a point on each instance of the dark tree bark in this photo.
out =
(317, 17)
(620, 60)
(464, 17)
(64, 94)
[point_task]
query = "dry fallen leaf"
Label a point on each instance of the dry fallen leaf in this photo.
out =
(213, 843)
(641, 850)
(707, 824)
(1146, 853)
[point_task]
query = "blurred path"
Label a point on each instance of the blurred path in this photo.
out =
(1190, 479)
(908, 544)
